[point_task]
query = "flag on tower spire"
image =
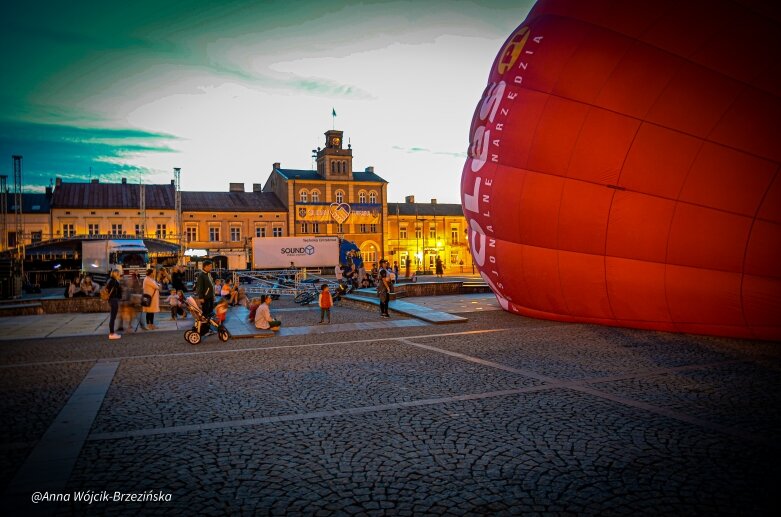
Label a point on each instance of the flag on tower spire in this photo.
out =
(333, 118)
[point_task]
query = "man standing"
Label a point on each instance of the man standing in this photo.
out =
(204, 288)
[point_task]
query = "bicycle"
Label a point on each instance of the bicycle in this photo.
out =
(305, 297)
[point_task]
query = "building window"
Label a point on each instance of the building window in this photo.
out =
(214, 233)
(315, 227)
(369, 256)
(302, 196)
(315, 196)
(362, 197)
(363, 228)
(373, 228)
(402, 232)
(432, 232)
(260, 231)
(304, 228)
(191, 233)
(116, 229)
(139, 230)
(93, 229)
(235, 233)
(160, 231)
(339, 228)
(454, 234)
(277, 231)
(431, 260)
(333, 167)
(418, 232)
(339, 196)
(37, 236)
(454, 257)
(372, 197)
(68, 230)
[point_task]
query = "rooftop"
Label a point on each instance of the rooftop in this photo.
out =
(425, 209)
(112, 195)
(231, 202)
(311, 175)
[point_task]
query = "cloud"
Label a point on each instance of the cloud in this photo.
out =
(77, 153)
(413, 150)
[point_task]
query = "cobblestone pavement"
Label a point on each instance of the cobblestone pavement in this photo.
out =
(500, 415)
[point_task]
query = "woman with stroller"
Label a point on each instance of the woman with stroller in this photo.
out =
(151, 288)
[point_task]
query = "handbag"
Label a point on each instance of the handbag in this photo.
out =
(105, 294)
(146, 299)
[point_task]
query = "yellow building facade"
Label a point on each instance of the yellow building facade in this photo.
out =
(418, 233)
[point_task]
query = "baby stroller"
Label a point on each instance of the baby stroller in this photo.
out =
(203, 325)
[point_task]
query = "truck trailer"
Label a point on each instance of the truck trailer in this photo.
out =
(99, 257)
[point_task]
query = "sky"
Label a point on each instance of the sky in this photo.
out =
(224, 89)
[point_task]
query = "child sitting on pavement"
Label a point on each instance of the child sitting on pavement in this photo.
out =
(175, 301)
(253, 307)
(242, 299)
(263, 318)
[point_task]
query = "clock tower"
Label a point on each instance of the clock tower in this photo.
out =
(333, 161)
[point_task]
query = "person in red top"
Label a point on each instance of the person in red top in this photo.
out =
(325, 302)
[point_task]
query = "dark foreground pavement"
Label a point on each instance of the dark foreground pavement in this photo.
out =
(501, 415)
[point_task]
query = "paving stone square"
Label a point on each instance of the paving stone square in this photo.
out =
(495, 416)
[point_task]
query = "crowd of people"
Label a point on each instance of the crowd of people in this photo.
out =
(134, 302)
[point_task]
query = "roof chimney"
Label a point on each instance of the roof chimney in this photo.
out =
(124, 181)
(95, 181)
(257, 187)
(57, 182)
(236, 187)
(370, 169)
(433, 201)
(173, 182)
(409, 199)
(48, 193)
(277, 165)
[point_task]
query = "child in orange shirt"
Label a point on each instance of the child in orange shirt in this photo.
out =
(325, 302)
(221, 311)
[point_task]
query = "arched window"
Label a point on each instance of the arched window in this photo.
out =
(339, 196)
(315, 196)
(303, 196)
(333, 167)
(362, 197)
(344, 167)
(372, 197)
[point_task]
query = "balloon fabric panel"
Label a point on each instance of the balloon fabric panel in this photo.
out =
(624, 167)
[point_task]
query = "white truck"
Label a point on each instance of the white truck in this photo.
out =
(99, 257)
(280, 252)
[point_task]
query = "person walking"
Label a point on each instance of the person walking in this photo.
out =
(383, 292)
(204, 288)
(326, 302)
(439, 268)
(114, 296)
(151, 288)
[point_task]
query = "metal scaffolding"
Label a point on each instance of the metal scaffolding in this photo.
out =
(142, 207)
(178, 208)
(18, 220)
(3, 212)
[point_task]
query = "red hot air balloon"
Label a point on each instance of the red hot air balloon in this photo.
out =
(624, 167)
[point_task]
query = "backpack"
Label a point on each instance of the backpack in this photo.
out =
(105, 293)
